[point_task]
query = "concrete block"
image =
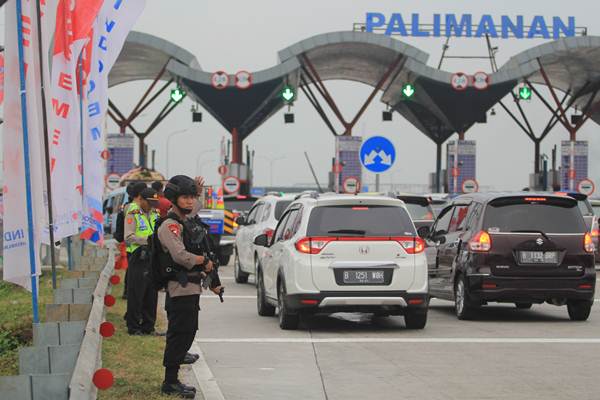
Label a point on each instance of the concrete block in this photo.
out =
(48, 359)
(15, 387)
(50, 387)
(78, 282)
(83, 295)
(58, 333)
(67, 312)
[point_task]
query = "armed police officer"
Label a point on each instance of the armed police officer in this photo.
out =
(142, 296)
(185, 261)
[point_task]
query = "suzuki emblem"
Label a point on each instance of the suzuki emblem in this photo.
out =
(539, 241)
(364, 250)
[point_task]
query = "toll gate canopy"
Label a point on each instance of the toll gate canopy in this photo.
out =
(437, 109)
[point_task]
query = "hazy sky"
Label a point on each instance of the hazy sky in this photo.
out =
(234, 35)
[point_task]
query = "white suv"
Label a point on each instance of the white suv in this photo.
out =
(262, 218)
(335, 253)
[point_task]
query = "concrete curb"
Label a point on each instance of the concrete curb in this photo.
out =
(89, 360)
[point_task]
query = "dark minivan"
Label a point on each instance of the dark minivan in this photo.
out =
(513, 248)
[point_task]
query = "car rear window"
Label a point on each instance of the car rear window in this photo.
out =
(596, 209)
(280, 208)
(360, 220)
(420, 212)
(585, 207)
(546, 214)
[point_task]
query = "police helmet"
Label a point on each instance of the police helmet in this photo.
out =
(180, 185)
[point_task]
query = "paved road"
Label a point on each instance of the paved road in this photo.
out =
(505, 354)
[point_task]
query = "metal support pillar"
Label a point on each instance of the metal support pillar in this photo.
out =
(124, 122)
(311, 72)
(438, 167)
(236, 144)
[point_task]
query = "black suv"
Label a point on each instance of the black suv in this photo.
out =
(520, 248)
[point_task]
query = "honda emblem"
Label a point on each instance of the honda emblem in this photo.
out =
(364, 250)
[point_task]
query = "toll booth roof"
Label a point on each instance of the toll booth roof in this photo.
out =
(437, 109)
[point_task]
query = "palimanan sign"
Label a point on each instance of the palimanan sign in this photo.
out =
(465, 25)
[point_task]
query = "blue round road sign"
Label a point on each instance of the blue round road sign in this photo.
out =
(377, 154)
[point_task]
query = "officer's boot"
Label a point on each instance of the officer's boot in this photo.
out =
(178, 389)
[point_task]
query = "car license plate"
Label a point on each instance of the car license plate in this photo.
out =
(363, 277)
(538, 257)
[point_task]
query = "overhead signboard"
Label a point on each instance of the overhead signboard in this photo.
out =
(231, 185)
(377, 154)
(481, 80)
(459, 81)
(243, 80)
(119, 153)
(220, 80)
(467, 25)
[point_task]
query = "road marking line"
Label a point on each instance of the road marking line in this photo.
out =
(404, 340)
(229, 297)
(206, 380)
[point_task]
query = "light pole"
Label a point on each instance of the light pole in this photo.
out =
(199, 156)
(175, 133)
(271, 162)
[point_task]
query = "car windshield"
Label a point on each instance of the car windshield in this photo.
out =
(549, 215)
(585, 208)
(280, 208)
(420, 212)
(360, 220)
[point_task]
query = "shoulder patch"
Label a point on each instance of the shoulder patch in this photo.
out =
(174, 228)
(130, 220)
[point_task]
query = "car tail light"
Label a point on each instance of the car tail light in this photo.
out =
(269, 232)
(312, 245)
(595, 233)
(481, 243)
(588, 243)
(411, 244)
(415, 302)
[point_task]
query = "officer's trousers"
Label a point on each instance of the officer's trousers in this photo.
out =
(142, 297)
(182, 314)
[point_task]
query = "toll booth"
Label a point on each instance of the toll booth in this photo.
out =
(574, 164)
(461, 164)
(346, 165)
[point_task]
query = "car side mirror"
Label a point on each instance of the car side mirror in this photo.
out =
(241, 221)
(262, 240)
(423, 232)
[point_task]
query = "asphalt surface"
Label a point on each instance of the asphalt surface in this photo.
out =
(504, 354)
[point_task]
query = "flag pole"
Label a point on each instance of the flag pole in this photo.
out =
(32, 260)
(46, 144)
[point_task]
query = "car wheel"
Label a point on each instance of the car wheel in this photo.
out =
(240, 276)
(224, 260)
(287, 320)
(524, 306)
(415, 320)
(579, 310)
(462, 301)
(262, 306)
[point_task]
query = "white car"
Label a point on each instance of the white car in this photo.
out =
(337, 253)
(262, 218)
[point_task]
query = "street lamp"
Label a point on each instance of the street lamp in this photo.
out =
(175, 133)
(271, 162)
(199, 156)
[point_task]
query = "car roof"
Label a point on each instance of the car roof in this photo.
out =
(285, 197)
(342, 199)
(484, 197)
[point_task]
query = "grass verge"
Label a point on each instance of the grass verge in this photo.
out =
(16, 317)
(135, 361)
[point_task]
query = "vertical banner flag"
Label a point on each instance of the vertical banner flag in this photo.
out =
(115, 20)
(74, 21)
(17, 258)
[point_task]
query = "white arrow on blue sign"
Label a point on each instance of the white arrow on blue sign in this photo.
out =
(377, 154)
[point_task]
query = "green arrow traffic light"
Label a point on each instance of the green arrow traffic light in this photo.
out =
(525, 93)
(408, 90)
(177, 94)
(288, 94)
